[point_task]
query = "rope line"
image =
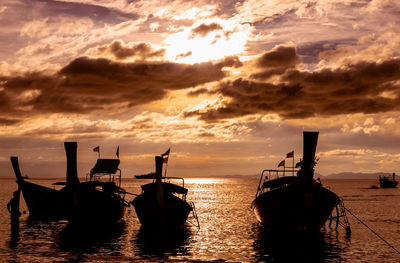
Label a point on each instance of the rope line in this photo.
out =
(370, 229)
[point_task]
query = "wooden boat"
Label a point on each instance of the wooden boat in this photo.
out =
(387, 182)
(92, 202)
(159, 206)
(100, 200)
(298, 202)
(45, 203)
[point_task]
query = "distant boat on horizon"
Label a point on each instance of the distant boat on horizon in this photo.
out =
(387, 181)
(299, 202)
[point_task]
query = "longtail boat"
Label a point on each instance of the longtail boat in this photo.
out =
(297, 202)
(100, 200)
(88, 203)
(162, 204)
(46, 203)
(388, 182)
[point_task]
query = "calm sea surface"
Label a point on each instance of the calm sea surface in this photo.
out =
(229, 231)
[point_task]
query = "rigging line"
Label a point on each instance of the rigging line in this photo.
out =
(370, 229)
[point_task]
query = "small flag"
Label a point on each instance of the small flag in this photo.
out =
(167, 152)
(166, 156)
(117, 152)
(282, 163)
(96, 149)
(299, 164)
(290, 155)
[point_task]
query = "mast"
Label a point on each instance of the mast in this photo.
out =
(72, 171)
(160, 195)
(310, 140)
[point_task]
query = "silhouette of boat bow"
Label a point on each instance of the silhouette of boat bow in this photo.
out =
(158, 206)
(45, 203)
(299, 202)
(89, 203)
(100, 201)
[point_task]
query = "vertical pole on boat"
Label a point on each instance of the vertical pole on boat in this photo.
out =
(160, 194)
(72, 170)
(284, 166)
(293, 164)
(310, 140)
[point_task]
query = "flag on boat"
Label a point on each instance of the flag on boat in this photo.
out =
(96, 149)
(117, 152)
(290, 155)
(166, 152)
(166, 155)
(282, 163)
(299, 164)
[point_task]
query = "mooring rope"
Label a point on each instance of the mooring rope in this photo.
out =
(370, 229)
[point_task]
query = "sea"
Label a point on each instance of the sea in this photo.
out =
(228, 230)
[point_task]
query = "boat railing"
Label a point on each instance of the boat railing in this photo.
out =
(98, 177)
(271, 174)
(168, 179)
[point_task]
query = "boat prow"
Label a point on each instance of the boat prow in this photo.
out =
(158, 206)
(100, 201)
(297, 203)
(44, 203)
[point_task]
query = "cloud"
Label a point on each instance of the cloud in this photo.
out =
(356, 88)
(276, 61)
(86, 84)
(139, 50)
(205, 29)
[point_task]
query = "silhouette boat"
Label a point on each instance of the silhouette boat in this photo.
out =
(159, 206)
(388, 182)
(100, 200)
(295, 203)
(46, 203)
(93, 202)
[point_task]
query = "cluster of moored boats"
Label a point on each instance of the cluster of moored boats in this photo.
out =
(100, 200)
(283, 202)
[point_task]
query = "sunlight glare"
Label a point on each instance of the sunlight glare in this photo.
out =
(184, 47)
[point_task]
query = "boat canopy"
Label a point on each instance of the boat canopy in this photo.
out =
(105, 166)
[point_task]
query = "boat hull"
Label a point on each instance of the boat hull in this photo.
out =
(388, 183)
(45, 203)
(298, 206)
(93, 207)
(173, 214)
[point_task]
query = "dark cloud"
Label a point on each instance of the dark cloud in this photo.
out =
(204, 29)
(276, 61)
(85, 85)
(197, 92)
(95, 12)
(140, 50)
(183, 55)
(5, 121)
(358, 88)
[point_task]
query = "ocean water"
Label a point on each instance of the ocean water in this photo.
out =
(228, 230)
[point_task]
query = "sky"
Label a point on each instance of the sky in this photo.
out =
(229, 86)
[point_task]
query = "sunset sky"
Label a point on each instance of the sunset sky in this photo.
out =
(229, 86)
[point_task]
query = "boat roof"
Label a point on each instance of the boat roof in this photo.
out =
(168, 187)
(106, 166)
